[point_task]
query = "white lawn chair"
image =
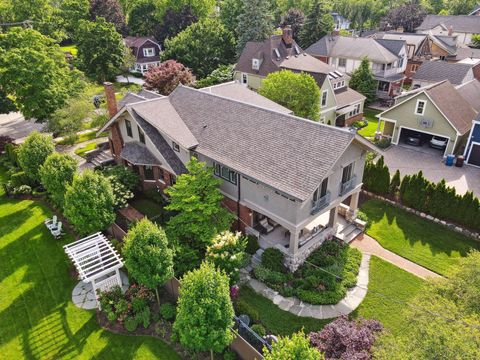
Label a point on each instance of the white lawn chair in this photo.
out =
(51, 223)
(57, 232)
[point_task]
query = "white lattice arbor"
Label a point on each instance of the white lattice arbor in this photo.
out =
(96, 261)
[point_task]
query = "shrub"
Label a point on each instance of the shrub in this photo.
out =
(362, 216)
(287, 291)
(376, 177)
(327, 254)
(252, 245)
(33, 152)
(244, 308)
(131, 324)
(272, 259)
(4, 140)
(22, 190)
(383, 143)
(11, 153)
(19, 178)
(394, 183)
(168, 311)
(259, 329)
(269, 276)
(144, 317)
(316, 297)
(229, 355)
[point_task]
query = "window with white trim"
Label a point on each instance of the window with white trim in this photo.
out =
(148, 52)
(420, 108)
(148, 172)
(128, 126)
(342, 62)
(324, 98)
(225, 173)
(141, 135)
(244, 79)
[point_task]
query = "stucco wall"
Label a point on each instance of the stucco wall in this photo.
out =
(253, 81)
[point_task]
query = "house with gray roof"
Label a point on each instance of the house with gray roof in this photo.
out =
(146, 51)
(388, 58)
(462, 27)
(431, 72)
(286, 179)
(339, 105)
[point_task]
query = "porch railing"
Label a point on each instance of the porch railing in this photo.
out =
(250, 336)
(348, 185)
(320, 203)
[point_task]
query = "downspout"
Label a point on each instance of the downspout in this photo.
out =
(238, 203)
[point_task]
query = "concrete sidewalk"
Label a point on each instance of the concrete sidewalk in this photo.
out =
(369, 245)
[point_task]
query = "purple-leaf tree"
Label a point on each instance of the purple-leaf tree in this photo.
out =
(165, 77)
(346, 340)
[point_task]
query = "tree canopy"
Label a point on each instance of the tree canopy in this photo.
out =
(174, 21)
(363, 81)
(201, 9)
(295, 18)
(255, 22)
(298, 92)
(318, 23)
(408, 16)
(203, 47)
(100, 49)
(142, 19)
(71, 12)
(33, 153)
(110, 10)
(296, 347)
(165, 77)
(70, 119)
(229, 13)
(205, 310)
(35, 74)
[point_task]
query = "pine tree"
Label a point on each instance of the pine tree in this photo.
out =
(255, 23)
(319, 23)
(364, 82)
(395, 183)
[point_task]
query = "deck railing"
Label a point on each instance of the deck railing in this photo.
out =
(348, 185)
(321, 203)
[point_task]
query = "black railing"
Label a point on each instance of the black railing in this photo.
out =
(250, 336)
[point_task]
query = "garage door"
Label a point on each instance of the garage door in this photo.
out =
(420, 141)
(474, 156)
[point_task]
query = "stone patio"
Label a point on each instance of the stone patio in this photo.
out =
(297, 307)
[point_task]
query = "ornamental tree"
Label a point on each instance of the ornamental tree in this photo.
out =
(363, 81)
(89, 203)
(296, 91)
(205, 311)
(56, 174)
(227, 253)
(123, 181)
(203, 47)
(318, 23)
(408, 16)
(255, 23)
(296, 347)
(147, 256)
(344, 339)
(33, 153)
(110, 10)
(100, 49)
(34, 74)
(165, 77)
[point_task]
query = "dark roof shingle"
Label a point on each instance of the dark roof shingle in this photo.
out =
(435, 71)
(459, 23)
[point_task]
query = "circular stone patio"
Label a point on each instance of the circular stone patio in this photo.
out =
(83, 296)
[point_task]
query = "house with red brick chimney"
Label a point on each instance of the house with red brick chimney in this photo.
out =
(291, 182)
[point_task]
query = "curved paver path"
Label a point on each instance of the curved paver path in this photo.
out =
(369, 245)
(297, 307)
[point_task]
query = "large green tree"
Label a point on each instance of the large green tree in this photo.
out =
(56, 174)
(70, 119)
(196, 200)
(173, 22)
(110, 10)
(205, 311)
(34, 72)
(364, 82)
(202, 47)
(296, 347)
(89, 203)
(230, 10)
(33, 153)
(148, 258)
(200, 8)
(295, 18)
(100, 49)
(298, 92)
(71, 12)
(408, 16)
(318, 23)
(142, 19)
(255, 23)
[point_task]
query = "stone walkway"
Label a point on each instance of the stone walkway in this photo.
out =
(369, 245)
(297, 307)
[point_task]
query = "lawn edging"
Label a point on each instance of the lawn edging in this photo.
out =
(454, 227)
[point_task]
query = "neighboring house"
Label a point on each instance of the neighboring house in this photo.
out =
(462, 27)
(388, 59)
(471, 92)
(464, 52)
(435, 110)
(472, 150)
(284, 177)
(339, 105)
(146, 51)
(340, 22)
(431, 72)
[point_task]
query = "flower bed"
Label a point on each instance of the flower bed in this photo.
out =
(323, 279)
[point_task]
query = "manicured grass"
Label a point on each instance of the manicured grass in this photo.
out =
(147, 207)
(369, 130)
(90, 135)
(71, 48)
(38, 319)
(81, 151)
(389, 289)
(419, 240)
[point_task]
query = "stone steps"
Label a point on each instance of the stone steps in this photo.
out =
(102, 159)
(349, 233)
(257, 258)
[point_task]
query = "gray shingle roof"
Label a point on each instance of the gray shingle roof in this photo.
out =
(347, 96)
(471, 92)
(435, 71)
(286, 152)
(392, 45)
(459, 23)
(138, 154)
(148, 94)
(129, 98)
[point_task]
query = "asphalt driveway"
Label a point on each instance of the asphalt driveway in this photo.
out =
(410, 161)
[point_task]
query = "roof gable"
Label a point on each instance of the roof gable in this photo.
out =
(435, 71)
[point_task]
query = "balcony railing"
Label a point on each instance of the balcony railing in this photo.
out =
(321, 203)
(348, 185)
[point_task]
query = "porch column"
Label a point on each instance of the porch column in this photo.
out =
(294, 235)
(353, 210)
(378, 132)
(333, 218)
(119, 277)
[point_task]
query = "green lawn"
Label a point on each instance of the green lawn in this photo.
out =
(369, 131)
(82, 150)
(398, 285)
(419, 240)
(389, 289)
(71, 48)
(38, 319)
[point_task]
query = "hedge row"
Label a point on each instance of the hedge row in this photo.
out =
(436, 199)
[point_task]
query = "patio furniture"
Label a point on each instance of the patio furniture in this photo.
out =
(57, 231)
(266, 226)
(51, 223)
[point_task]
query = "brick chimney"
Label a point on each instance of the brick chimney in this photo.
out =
(287, 36)
(450, 30)
(111, 101)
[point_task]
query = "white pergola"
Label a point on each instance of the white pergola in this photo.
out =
(96, 261)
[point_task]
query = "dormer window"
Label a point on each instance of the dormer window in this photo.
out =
(148, 52)
(256, 64)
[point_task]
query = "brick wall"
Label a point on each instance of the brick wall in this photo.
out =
(116, 142)
(410, 71)
(351, 120)
(245, 213)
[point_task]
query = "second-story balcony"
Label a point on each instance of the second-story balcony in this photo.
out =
(348, 185)
(321, 203)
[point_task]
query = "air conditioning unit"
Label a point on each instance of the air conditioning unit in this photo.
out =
(255, 64)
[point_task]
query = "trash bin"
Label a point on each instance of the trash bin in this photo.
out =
(450, 160)
(460, 160)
